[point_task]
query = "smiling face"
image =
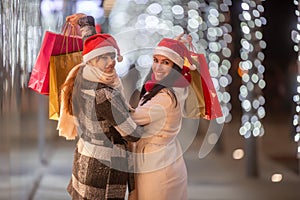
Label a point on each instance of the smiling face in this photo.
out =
(105, 62)
(161, 66)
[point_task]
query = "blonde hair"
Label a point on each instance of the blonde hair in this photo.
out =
(67, 89)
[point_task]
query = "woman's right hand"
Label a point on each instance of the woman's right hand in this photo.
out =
(73, 19)
(185, 40)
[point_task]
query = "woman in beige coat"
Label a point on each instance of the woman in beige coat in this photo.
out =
(161, 170)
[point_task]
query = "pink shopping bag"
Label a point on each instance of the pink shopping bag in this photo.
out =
(53, 44)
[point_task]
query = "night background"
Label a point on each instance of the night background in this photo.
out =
(280, 58)
(280, 75)
(36, 162)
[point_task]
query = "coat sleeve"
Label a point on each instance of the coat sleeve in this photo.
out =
(87, 27)
(111, 107)
(153, 110)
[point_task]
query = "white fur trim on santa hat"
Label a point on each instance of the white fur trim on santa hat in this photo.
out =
(169, 53)
(97, 52)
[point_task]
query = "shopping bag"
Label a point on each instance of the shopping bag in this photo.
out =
(51, 46)
(208, 92)
(60, 65)
(194, 107)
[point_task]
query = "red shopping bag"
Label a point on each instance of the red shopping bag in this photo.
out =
(212, 104)
(52, 45)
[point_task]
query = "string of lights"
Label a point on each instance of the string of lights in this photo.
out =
(216, 28)
(295, 35)
(251, 68)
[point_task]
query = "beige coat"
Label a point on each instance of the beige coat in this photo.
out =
(162, 173)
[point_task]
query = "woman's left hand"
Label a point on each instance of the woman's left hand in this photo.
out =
(73, 19)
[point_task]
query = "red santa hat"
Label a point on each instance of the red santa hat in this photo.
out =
(176, 51)
(100, 44)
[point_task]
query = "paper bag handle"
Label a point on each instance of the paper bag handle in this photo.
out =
(68, 30)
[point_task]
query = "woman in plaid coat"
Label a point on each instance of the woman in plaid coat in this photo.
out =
(92, 94)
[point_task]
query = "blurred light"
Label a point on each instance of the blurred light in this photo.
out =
(119, 19)
(258, 35)
(258, 22)
(193, 14)
(224, 7)
(276, 178)
(90, 7)
(254, 78)
(178, 11)
(255, 104)
(250, 86)
(247, 135)
(260, 8)
(297, 108)
(223, 81)
(163, 29)
(243, 130)
(154, 9)
(49, 7)
(245, 6)
(144, 62)
(246, 44)
(263, 20)
(220, 120)
(213, 20)
(193, 5)
(296, 98)
(214, 46)
(261, 84)
(151, 21)
(255, 13)
(297, 137)
(246, 15)
(238, 154)
(256, 132)
(193, 25)
(262, 44)
(245, 78)
(246, 105)
(261, 112)
(245, 29)
(177, 30)
(214, 12)
(261, 100)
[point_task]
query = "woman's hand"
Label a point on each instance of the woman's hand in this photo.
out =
(73, 19)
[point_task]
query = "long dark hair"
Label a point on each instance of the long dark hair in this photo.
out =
(167, 82)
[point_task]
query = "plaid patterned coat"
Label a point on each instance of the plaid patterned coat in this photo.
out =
(101, 166)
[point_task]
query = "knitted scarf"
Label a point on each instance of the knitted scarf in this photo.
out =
(94, 74)
(67, 123)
